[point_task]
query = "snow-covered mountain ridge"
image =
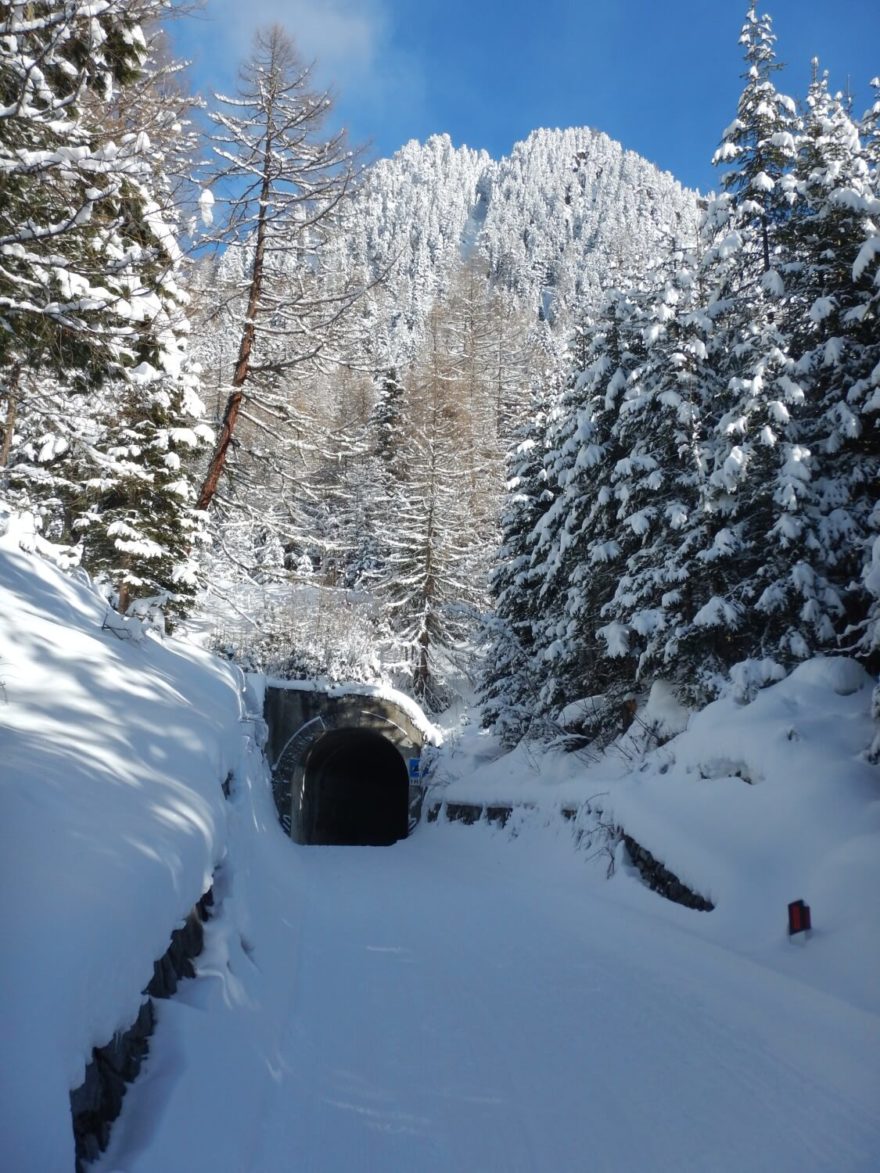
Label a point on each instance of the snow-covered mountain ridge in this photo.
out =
(563, 215)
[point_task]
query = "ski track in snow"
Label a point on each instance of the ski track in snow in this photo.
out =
(463, 1002)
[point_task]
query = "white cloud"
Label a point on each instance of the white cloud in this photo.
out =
(377, 83)
(344, 36)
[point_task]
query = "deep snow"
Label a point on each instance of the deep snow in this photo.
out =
(464, 1001)
(471, 998)
(113, 749)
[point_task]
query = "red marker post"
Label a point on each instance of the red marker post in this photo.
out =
(798, 918)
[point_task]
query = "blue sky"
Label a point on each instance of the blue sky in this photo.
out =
(661, 78)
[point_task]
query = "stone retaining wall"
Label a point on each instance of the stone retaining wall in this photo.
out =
(96, 1103)
(654, 873)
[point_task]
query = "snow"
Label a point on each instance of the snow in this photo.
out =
(431, 1007)
(717, 612)
(206, 206)
(821, 308)
(869, 250)
(773, 283)
(616, 636)
(471, 998)
(762, 182)
(752, 804)
(114, 748)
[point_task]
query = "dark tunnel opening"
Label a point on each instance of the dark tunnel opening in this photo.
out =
(356, 790)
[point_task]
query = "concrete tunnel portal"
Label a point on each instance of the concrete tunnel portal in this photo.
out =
(345, 762)
(355, 790)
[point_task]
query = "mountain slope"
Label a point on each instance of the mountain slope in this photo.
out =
(567, 213)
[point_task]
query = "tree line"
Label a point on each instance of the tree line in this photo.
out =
(104, 434)
(701, 503)
(688, 414)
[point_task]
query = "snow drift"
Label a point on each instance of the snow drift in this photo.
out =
(115, 745)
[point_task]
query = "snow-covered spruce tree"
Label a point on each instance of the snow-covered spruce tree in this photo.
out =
(277, 183)
(509, 681)
(579, 540)
(659, 486)
(387, 423)
(758, 149)
(85, 240)
(133, 511)
(869, 128)
(62, 192)
(789, 458)
(870, 131)
(94, 318)
(741, 603)
(833, 318)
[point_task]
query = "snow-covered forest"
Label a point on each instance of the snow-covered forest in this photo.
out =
(551, 424)
(584, 461)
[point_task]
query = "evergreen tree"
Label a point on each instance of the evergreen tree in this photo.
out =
(661, 482)
(509, 680)
(388, 425)
(578, 540)
(833, 311)
(758, 149)
(869, 128)
(93, 316)
(741, 602)
(133, 509)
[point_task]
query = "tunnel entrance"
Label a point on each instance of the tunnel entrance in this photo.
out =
(355, 790)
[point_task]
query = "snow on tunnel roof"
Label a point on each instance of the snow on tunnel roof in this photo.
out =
(431, 733)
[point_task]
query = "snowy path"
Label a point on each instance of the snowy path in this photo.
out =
(449, 1007)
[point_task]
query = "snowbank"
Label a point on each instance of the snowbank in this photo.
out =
(114, 747)
(751, 806)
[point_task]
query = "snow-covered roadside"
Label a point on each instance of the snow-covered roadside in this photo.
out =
(216, 1062)
(751, 805)
(467, 1000)
(114, 746)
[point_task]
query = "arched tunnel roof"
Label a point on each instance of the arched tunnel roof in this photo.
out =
(378, 698)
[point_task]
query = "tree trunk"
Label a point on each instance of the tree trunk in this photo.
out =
(242, 366)
(9, 429)
(765, 241)
(123, 598)
(422, 674)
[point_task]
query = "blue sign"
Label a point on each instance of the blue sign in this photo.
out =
(413, 769)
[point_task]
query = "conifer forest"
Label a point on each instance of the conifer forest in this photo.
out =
(541, 429)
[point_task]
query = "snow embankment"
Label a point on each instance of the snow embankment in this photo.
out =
(114, 745)
(752, 805)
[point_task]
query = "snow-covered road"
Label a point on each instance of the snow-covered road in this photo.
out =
(459, 1002)
(448, 1017)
